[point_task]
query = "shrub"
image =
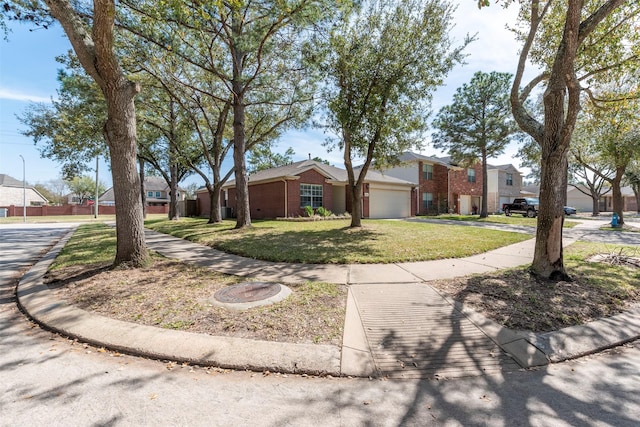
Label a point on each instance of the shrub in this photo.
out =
(308, 210)
(323, 212)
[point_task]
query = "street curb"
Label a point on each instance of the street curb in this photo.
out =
(353, 358)
(532, 349)
(41, 305)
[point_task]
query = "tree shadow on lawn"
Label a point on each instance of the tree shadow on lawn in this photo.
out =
(522, 301)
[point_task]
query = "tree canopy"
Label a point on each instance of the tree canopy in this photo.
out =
(478, 123)
(384, 62)
(576, 42)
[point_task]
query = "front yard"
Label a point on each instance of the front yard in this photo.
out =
(333, 242)
(174, 295)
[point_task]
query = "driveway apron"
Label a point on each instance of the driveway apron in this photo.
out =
(413, 332)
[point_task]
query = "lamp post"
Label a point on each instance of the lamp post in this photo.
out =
(24, 191)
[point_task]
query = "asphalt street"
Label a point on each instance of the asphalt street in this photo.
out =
(48, 380)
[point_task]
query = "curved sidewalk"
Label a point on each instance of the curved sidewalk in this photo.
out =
(424, 334)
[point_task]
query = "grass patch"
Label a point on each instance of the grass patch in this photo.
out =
(518, 300)
(333, 242)
(500, 219)
(90, 244)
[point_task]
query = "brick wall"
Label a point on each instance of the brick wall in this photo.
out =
(72, 210)
(267, 200)
(204, 203)
(461, 185)
(438, 186)
(308, 177)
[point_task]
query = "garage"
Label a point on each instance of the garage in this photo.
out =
(389, 202)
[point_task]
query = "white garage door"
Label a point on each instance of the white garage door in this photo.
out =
(386, 203)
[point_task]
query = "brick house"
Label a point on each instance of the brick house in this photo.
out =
(445, 187)
(285, 191)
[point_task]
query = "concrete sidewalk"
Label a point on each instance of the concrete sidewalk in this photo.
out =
(396, 324)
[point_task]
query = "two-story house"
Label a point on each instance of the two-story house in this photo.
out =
(504, 185)
(445, 187)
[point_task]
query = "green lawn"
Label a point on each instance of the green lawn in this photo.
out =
(91, 243)
(499, 219)
(333, 242)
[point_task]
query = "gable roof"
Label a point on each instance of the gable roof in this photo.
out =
(9, 181)
(409, 156)
(506, 168)
(447, 161)
(332, 173)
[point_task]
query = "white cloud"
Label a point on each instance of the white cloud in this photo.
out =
(12, 95)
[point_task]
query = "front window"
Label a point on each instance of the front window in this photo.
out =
(427, 172)
(427, 201)
(509, 179)
(149, 193)
(471, 175)
(157, 194)
(311, 195)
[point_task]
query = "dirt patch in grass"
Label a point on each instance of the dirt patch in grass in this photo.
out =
(521, 301)
(173, 295)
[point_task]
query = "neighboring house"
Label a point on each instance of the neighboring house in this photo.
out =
(285, 191)
(73, 199)
(11, 193)
(629, 202)
(583, 203)
(434, 181)
(156, 191)
(504, 184)
(446, 187)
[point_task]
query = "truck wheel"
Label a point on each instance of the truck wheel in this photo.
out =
(531, 213)
(507, 212)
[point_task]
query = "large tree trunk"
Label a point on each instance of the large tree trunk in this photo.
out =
(595, 207)
(121, 137)
(617, 195)
(355, 192)
(243, 215)
(95, 52)
(484, 208)
(143, 193)
(215, 214)
(174, 212)
(548, 257)
(548, 260)
(243, 218)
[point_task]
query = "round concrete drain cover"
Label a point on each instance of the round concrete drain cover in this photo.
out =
(247, 292)
(250, 294)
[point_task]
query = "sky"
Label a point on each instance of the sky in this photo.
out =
(28, 72)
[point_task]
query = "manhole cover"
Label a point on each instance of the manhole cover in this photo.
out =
(247, 292)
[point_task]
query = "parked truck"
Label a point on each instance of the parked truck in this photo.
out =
(527, 206)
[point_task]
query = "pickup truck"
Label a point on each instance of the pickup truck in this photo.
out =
(527, 206)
